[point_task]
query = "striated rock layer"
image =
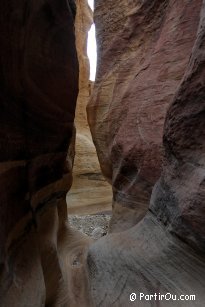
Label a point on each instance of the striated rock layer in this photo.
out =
(143, 51)
(90, 192)
(38, 92)
(165, 252)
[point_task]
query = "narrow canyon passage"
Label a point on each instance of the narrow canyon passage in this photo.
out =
(90, 193)
(146, 115)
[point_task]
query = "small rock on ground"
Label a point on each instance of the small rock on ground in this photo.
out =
(95, 225)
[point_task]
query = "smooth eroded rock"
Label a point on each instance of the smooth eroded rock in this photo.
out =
(143, 51)
(38, 92)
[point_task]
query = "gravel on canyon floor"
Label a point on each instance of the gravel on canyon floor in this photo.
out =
(94, 225)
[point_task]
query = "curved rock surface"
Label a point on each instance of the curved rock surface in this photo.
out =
(38, 92)
(165, 251)
(151, 64)
(143, 51)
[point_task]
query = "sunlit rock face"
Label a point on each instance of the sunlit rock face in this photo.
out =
(151, 74)
(38, 91)
(90, 192)
(143, 51)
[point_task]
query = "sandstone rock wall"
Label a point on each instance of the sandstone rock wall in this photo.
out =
(90, 192)
(38, 91)
(42, 261)
(143, 51)
(178, 197)
(164, 253)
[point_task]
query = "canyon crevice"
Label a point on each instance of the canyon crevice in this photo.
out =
(146, 113)
(90, 192)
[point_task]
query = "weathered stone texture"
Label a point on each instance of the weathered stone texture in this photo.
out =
(165, 251)
(151, 64)
(144, 48)
(179, 196)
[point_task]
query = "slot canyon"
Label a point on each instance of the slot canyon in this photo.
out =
(131, 143)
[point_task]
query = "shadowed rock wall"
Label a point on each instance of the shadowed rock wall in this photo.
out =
(38, 92)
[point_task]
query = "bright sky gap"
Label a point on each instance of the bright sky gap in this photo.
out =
(91, 47)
